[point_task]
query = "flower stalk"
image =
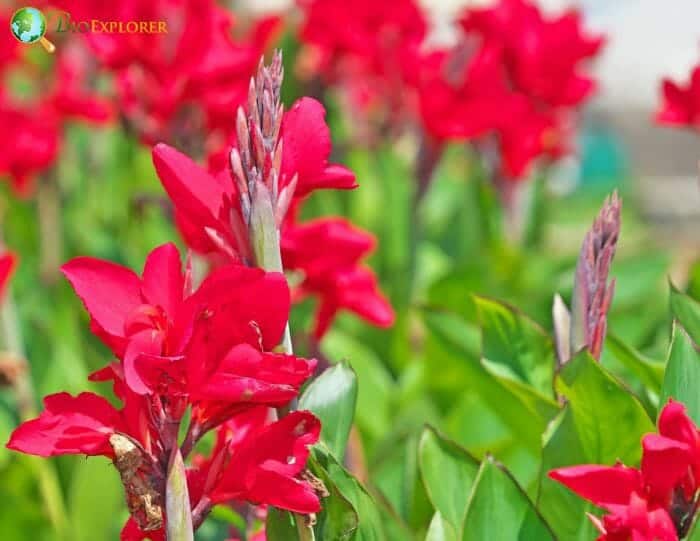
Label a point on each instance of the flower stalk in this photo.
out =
(177, 501)
(592, 296)
(256, 165)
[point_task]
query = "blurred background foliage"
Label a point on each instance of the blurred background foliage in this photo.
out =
(440, 264)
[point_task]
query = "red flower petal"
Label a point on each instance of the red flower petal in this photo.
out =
(250, 376)
(109, 292)
(602, 485)
(263, 467)
(664, 463)
(674, 423)
(163, 281)
(195, 193)
(68, 425)
(306, 143)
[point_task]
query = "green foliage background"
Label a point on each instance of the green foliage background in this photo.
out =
(479, 372)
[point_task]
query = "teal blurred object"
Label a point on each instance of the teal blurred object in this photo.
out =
(604, 159)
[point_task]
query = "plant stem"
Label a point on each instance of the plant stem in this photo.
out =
(177, 501)
(50, 238)
(305, 533)
(49, 485)
(265, 240)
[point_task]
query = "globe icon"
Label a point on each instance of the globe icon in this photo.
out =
(28, 25)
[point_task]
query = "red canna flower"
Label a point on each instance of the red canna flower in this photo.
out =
(209, 349)
(204, 202)
(680, 104)
(283, 159)
(329, 254)
(209, 345)
(655, 502)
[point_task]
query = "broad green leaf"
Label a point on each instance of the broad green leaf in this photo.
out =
(376, 390)
(682, 378)
(226, 514)
(687, 311)
(649, 372)
(587, 431)
(369, 518)
(525, 416)
(515, 346)
(332, 397)
(440, 529)
(280, 526)
(498, 509)
(337, 519)
(564, 510)
(95, 499)
(694, 534)
(395, 474)
(448, 474)
(601, 405)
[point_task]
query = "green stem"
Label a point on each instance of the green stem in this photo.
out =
(265, 239)
(51, 241)
(305, 533)
(177, 501)
(49, 485)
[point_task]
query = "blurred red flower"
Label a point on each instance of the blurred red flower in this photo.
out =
(369, 47)
(544, 56)
(680, 103)
(177, 85)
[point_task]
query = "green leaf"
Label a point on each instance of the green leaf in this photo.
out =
(440, 529)
(95, 501)
(374, 394)
(515, 346)
(280, 526)
(226, 514)
(682, 378)
(587, 431)
(448, 474)
(687, 311)
(338, 519)
(498, 509)
(526, 416)
(601, 405)
(649, 372)
(369, 518)
(332, 397)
